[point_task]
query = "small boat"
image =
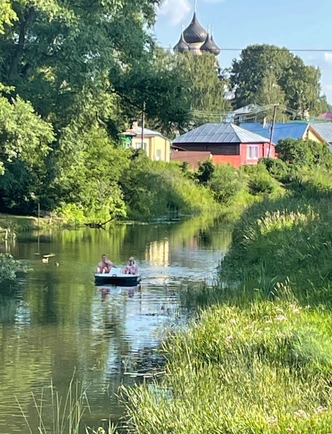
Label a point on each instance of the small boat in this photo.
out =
(116, 277)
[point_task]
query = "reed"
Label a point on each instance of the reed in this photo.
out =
(58, 414)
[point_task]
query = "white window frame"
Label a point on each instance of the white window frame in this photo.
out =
(252, 152)
(158, 154)
(139, 146)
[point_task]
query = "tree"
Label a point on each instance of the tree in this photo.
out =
(297, 85)
(155, 86)
(270, 93)
(304, 153)
(205, 89)
(25, 141)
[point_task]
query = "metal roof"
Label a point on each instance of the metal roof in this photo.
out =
(327, 116)
(324, 129)
(220, 133)
(285, 130)
(137, 131)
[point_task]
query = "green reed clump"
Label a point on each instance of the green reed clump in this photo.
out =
(263, 369)
(56, 413)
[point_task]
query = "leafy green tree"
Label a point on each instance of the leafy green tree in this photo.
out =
(155, 87)
(205, 89)
(25, 141)
(304, 153)
(296, 85)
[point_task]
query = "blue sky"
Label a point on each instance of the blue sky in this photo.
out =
(294, 24)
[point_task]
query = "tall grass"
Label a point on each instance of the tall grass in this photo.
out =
(58, 414)
(258, 358)
(263, 369)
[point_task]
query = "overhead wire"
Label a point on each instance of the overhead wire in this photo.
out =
(252, 47)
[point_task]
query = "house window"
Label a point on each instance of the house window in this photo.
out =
(139, 146)
(158, 154)
(253, 152)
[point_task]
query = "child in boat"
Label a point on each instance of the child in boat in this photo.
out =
(104, 265)
(131, 267)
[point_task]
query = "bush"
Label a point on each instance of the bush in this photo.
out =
(304, 153)
(157, 189)
(9, 267)
(205, 172)
(276, 167)
(226, 183)
(260, 180)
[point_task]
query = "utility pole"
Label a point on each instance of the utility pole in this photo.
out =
(143, 122)
(272, 127)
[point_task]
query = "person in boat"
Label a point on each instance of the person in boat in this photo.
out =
(131, 267)
(105, 265)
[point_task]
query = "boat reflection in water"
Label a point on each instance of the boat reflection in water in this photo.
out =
(107, 290)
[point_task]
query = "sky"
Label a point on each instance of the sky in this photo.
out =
(294, 24)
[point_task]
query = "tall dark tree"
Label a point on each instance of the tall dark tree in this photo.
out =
(298, 85)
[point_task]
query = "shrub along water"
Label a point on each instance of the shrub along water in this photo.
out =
(258, 360)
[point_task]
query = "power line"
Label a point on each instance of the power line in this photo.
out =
(259, 47)
(252, 47)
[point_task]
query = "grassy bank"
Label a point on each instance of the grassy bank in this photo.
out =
(18, 224)
(258, 357)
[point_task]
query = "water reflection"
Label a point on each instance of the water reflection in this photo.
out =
(58, 321)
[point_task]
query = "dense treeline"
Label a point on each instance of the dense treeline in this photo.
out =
(74, 76)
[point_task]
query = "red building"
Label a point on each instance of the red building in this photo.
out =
(227, 143)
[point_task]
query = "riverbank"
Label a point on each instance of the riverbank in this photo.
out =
(258, 359)
(18, 224)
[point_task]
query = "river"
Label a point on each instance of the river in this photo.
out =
(56, 324)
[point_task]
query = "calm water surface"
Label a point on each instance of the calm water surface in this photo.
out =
(57, 322)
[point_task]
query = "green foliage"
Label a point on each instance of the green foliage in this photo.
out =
(205, 89)
(205, 172)
(276, 167)
(85, 70)
(156, 86)
(7, 15)
(286, 239)
(155, 189)
(260, 180)
(9, 267)
(263, 368)
(226, 182)
(25, 141)
(267, 74)
(304, 153)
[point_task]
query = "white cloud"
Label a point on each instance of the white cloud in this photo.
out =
(328, 57)
(174, 11)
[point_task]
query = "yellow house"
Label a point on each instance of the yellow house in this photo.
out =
(156, 146)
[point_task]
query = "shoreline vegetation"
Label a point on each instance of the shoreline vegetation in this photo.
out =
(257, 358)
(159, 191)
